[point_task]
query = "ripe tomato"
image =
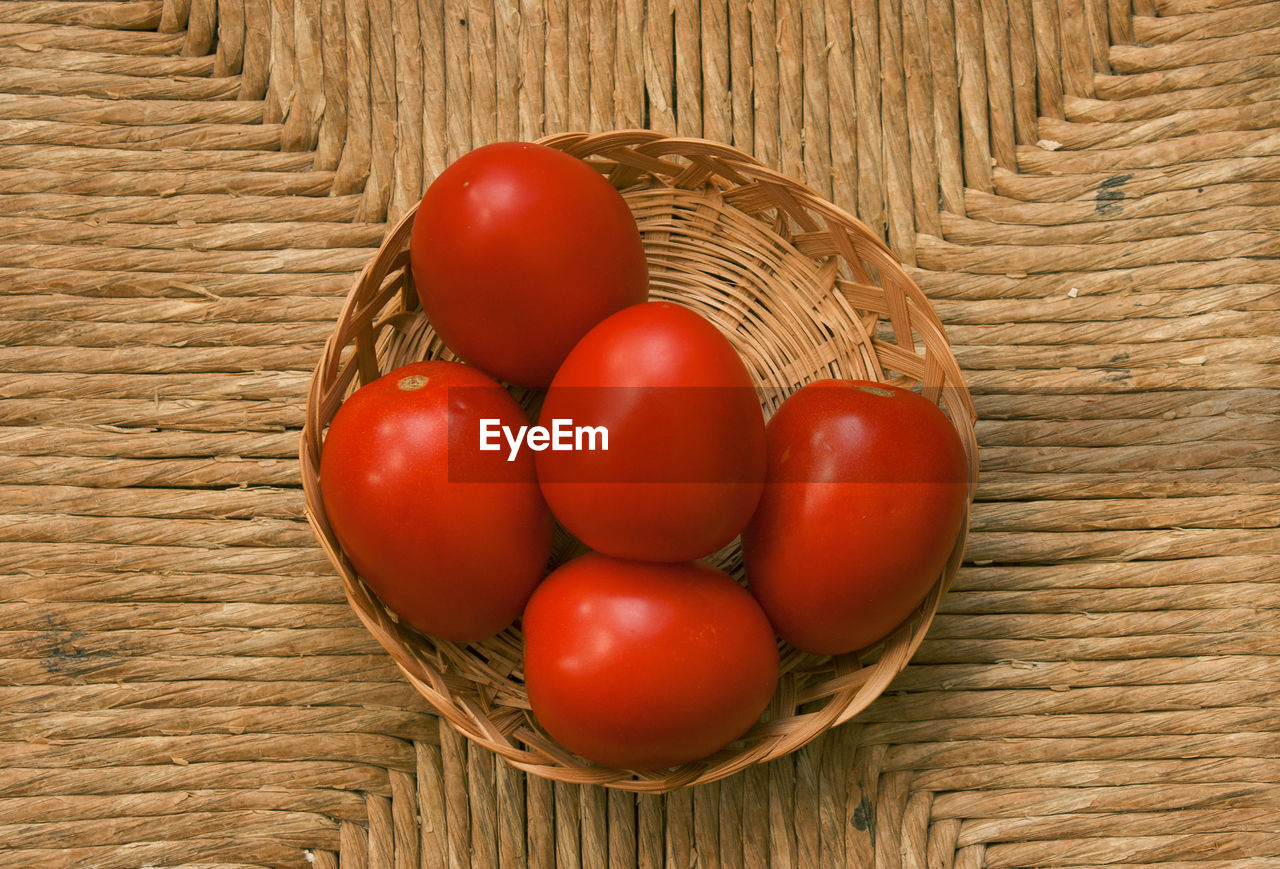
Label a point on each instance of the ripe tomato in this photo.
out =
(451, 538)
(517, 250)
(685, 460)
(637, 665)
(866, 493)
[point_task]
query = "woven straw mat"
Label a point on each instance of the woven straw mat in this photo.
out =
(1089, 192)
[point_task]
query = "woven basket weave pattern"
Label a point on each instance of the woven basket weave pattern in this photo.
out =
(791, 318)
(1084, 189)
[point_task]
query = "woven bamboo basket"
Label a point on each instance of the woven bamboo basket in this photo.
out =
(802, 289)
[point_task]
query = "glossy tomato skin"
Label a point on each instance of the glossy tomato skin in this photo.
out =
(637, 665)
(517, 250)
(685, 464)
(451, 538)
(867, 492)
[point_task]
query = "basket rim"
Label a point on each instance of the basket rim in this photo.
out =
(467, 716)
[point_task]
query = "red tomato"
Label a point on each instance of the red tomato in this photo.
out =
(451, 538)
(517, 250)
(685, 460)
(866, 493)
(636, 665)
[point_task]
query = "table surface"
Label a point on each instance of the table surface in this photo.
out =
(1086, 190)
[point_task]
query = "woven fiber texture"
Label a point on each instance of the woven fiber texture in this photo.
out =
(1087, 191)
